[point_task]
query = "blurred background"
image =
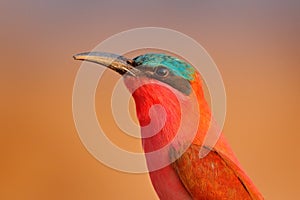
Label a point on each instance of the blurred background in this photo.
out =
(255, 44)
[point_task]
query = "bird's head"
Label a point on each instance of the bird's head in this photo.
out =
(157, 79)
(149, 68)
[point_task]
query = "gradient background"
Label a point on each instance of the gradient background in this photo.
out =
(255, 45)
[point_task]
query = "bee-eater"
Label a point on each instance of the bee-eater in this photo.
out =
(166, 80)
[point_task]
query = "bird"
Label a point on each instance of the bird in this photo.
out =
(173, 83)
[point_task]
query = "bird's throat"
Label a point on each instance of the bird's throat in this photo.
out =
(164, 113)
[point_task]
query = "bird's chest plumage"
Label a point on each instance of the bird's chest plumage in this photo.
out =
(189, 177)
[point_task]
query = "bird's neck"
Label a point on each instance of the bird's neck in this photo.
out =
(164, 112)
(159, 128)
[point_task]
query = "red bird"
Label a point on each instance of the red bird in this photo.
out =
(159, 79)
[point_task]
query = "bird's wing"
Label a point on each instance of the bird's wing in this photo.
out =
(225, 152)
(216, 176)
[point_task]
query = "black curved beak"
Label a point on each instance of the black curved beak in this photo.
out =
(114, 62)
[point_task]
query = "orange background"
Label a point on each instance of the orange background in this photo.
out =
(254, 44)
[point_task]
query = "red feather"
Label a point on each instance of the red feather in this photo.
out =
(216, 176)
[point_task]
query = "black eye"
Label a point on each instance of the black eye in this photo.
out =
(161, 71)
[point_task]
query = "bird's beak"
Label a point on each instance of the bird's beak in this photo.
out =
(115, 62)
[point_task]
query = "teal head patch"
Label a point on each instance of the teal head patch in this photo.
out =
(177, 66)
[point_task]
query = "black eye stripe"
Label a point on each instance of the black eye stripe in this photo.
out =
(163, 74)
(161, 71)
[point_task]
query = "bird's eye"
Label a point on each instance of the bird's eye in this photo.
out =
(161, 71)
